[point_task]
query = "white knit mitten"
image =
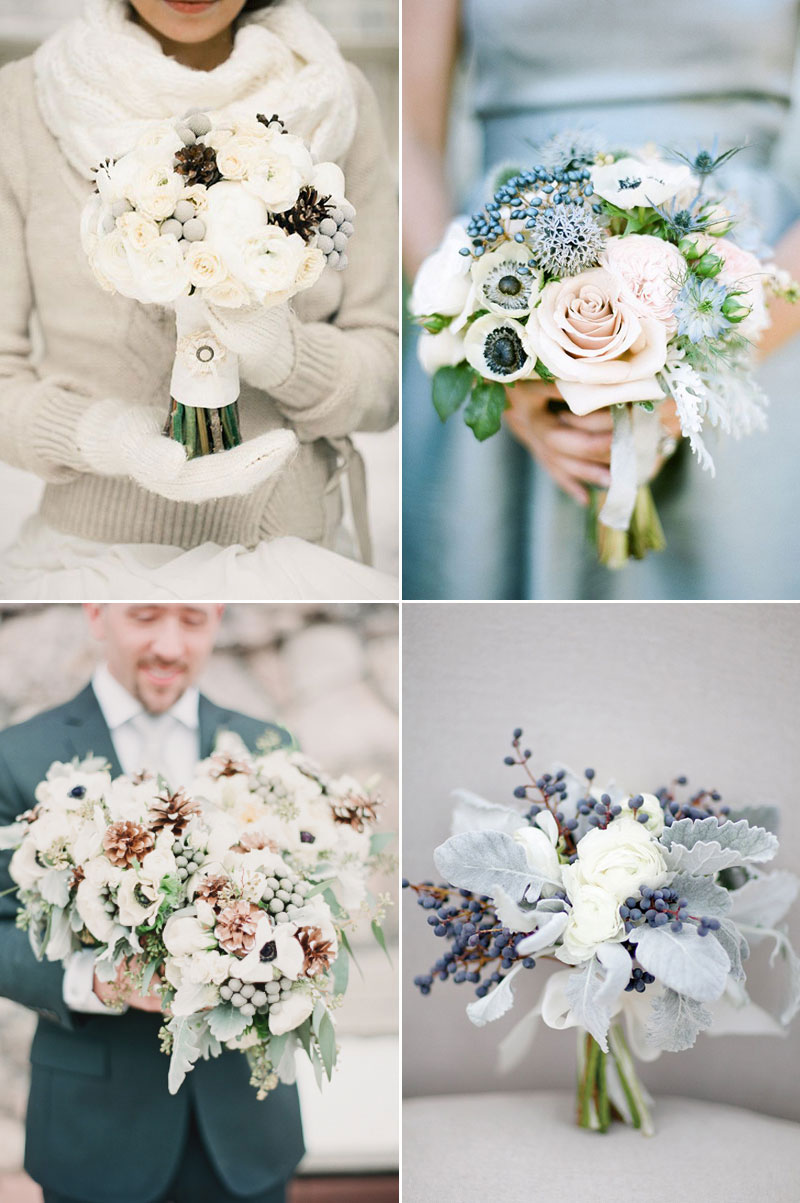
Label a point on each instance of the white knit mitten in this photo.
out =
(263, 339)
(119, 439)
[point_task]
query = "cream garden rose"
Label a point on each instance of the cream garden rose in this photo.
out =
(594, 918)
(204, 265)
(601, 351)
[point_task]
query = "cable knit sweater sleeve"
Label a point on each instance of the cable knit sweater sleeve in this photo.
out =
(331, 378)
(39, 416)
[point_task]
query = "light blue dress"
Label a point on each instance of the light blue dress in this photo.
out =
(484, 521)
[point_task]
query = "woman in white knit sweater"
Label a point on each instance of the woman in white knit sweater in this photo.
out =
(120, 516)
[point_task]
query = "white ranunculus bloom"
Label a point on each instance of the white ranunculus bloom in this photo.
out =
(159, 272)
(156, 189)
(328, 179)
(272, 261)
(619, 859)
(311, 268)
(161, 138)
(233, 158)
(185, 934)
(111, 264)
(274, 179)
(115, 181)
(276, 948)
(290, 1012)
(442, 350)
(630, 182)
(443, 283)
(593, 919)
(228, 294)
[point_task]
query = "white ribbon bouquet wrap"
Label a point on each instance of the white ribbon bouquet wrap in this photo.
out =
(214, 210)
(622, 280)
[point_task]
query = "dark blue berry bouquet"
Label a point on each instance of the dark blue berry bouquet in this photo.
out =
(621, 279)
(652, 900)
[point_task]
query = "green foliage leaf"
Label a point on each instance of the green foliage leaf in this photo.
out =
(434, 323)
(485, 410)
(380, 840)
(341, 971)
(378, 933)
(346, 945)
(321, 887)
(543, 372)
(327, 1043)
(451, 386)
(226, 1022)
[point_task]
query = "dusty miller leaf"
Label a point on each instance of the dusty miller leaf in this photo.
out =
(704, 846)
(482, 860)
(758, 816)
(496, 1003)
(592, 993)
(226, 1022)
(703, 896)
(187, 1047)
(675, 1021)
(735, 946)
(696, 966)
(473, 813)
(765, 899)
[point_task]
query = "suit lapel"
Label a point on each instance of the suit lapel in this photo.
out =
(212, 720)
(87, 731)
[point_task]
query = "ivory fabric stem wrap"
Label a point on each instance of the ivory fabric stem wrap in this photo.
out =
(205, 373)
(634, 451)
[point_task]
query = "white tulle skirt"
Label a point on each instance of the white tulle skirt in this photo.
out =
(45, 565)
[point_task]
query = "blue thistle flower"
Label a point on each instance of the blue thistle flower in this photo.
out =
(565, 240)
(699, 309)
(569, 149)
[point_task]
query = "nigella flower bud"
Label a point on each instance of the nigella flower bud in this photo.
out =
(708, 265)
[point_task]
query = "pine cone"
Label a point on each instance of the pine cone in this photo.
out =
(127, 842)
(236, 927)
(198, 164)
(214, 890)
(308, 211)
(254, 842)
(172, 810)
(318, 951)
(355, 812)
(226, 766)
(77, 877)
(273, 120)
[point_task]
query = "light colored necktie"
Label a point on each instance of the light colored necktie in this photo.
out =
(154, 732)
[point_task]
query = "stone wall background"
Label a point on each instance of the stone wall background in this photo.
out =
(327, 672)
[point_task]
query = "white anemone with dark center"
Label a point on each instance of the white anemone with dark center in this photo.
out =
(495, 347)
(504, 281)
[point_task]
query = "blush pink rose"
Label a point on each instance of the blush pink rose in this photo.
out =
(650, 273)
(595, 344)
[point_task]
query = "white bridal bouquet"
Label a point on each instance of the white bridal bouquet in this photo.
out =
(218, 210)
(234, 897)
(622, 278)
(652, 900)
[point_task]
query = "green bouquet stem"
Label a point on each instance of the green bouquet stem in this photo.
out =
(203, 431)
(609, 1086)
(645, 533)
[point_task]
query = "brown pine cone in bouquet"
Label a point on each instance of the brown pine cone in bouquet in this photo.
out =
(127, 842)
(173, 810)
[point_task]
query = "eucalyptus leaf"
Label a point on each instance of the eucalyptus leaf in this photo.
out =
(484, 412)
(675, 1021)
(704, 846)
(341, 971)
(482, 860)
(276, 1046)
(327, 1044)
(451, 386)
(496, 1003)
(378, 933)
(226, 1022)
(378, 841)
(696, 966)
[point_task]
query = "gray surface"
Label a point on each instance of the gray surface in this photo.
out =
(525, 1148)
(640, 692)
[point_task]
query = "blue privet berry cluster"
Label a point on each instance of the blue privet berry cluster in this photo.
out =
(662, 907)
(639, 980)
(703, 804)
(481, 950)
(522, 199)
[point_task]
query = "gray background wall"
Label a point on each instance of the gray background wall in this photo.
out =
(327, 672)
(641, 693)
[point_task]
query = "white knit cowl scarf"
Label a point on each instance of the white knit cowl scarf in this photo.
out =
(102, 78)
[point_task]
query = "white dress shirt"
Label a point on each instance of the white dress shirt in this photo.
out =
(168, 744)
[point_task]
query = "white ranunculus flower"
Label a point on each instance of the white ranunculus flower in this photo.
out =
(160, 274)
(630, 182)
(619, 859)
(233, 158)
(228, 294)
(328, 179)
(650, 807)
(161, 138)
(311, 268)
(156, 190)
(204, 265)
(272, 261)
(290, 1012)
(110, 262)
(185, 934)
(541, 855)
(274, 179)
(443, 282)
(138, 230)
(594, 918)
(441, 350)
(198, 195)
(276, 948)
(115, 181)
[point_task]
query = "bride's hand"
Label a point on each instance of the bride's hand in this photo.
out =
(575, 451)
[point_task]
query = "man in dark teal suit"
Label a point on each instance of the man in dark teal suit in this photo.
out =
(101, 1126)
